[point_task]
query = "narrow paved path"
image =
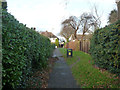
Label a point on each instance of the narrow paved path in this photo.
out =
(61, 76)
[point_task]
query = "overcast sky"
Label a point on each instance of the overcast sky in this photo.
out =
(48, 14)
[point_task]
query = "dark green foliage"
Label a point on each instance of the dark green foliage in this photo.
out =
(23, 50)
(105, 47)
(4, 5)
(53, 46)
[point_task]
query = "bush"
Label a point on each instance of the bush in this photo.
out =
(57, 42)
(105, 47)
(23, 50)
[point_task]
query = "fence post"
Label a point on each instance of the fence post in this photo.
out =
(80, 45)
(87, 47)
(84, 46)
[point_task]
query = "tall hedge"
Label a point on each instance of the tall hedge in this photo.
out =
(23, 50)
(105, 47)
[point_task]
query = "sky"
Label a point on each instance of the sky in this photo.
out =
(48, 14)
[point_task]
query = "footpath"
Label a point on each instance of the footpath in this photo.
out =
(61, 76)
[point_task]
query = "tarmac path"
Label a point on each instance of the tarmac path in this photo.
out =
(61, 76)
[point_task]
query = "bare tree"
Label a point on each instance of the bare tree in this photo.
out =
(74, 22)
(83, 23)
(96, 16)
(98, 21)
(66, 32)
(88, 22)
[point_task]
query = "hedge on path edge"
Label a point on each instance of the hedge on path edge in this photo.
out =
(23, 51)
(105, 47)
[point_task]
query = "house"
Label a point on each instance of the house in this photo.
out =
(50, 35)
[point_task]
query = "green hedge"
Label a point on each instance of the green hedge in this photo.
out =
(23, 50)
(105, 47)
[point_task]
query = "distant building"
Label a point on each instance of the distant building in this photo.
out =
(50, 35)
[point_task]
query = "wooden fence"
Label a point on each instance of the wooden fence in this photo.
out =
(79, 45)
(85, 46)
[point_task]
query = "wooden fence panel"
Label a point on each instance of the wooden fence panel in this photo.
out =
(85, 46)
(79, 45)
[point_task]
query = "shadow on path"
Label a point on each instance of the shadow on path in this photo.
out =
(61, 76)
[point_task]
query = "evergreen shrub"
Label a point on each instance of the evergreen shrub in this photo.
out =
(105, 48)
(23, 50)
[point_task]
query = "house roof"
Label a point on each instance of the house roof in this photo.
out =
(48, 34)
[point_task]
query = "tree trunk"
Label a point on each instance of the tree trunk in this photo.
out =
(118, 5)
(67, 39)
(75, 34)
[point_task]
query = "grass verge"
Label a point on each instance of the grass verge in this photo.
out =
(88, 75)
